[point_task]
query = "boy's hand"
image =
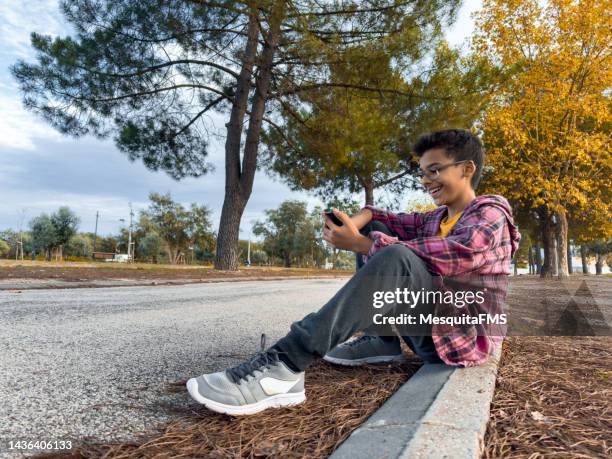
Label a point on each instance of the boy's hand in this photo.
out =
(347, 236)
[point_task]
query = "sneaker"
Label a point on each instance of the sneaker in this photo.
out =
(261, 382)
(366, 349)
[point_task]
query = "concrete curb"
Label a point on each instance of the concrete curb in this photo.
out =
(52, 284)
(440, 412)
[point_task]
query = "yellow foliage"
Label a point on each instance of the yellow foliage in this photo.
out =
(548, 132)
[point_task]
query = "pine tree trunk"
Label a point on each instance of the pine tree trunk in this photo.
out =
(529, 259)
(562, 246)
(369, 194)
(554, 259)
(548, 242)
(538, 257)
(583, 258)
(239, 178)
(226, 257)
(229, 227)
(599, 264)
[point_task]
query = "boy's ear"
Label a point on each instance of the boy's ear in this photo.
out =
(470, 167)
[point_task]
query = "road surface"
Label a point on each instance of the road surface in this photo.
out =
(94, 363)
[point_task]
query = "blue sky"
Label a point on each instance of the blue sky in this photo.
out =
(41, 170)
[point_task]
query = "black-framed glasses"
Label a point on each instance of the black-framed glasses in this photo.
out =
(434, 172)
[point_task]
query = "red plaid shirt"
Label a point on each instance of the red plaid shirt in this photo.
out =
(479, 246)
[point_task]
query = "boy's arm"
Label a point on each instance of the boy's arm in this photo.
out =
(362, 218)
(462, 252)
(405, 225)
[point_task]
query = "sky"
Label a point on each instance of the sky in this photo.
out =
(41, 170)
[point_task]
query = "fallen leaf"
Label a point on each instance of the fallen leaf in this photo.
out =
(537, 416)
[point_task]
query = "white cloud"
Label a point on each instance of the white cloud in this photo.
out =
(18, 19)
(18, 127)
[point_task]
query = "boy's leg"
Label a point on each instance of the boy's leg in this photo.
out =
(384, 346)
(265, 381)
(389, 337)
(371, 226)
(424, 347)
(351, 309)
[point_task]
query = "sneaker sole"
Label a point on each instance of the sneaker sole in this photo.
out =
(365, 360)
(274, 401)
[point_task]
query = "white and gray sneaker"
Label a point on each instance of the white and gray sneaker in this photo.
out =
(366, 349)
(261, 382)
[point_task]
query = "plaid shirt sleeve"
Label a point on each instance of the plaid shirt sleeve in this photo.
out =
(405, 225)
(465, 250)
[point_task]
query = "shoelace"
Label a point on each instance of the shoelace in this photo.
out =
(263, 359)
(360, 340)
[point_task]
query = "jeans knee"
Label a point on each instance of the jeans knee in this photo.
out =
(402, 255)
(375, 226)
(397, 251)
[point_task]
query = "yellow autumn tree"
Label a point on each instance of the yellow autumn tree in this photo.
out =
(548, 131)
(420, 204)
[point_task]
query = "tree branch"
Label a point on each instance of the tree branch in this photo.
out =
(161, 66)
(350, 12)
(389, 180)
(298, 89)
(279, 129)
(195, 118)
(143, 93)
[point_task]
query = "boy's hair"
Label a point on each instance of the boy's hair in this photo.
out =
(459, 144)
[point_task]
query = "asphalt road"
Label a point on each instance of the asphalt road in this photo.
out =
(94, 363)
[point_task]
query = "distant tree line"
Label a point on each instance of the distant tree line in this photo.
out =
(49, 235)
(168, 232)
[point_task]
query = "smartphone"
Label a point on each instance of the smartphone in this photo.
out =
(333, 217)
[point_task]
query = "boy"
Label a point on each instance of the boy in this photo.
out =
(465, 235)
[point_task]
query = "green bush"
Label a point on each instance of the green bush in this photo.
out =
(4, 248)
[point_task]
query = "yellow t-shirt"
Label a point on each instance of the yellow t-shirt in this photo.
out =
(447, 225)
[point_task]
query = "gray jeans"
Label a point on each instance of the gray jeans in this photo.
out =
(350, 309)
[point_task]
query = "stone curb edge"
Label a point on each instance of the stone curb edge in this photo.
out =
(62, 285)
(440, 412)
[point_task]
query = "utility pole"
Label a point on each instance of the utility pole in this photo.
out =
(19, 248)
(130, 248)
(96, 231)
(19, 251)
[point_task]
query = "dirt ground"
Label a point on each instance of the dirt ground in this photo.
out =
(552, 399)
(552, 394)
(88, 272)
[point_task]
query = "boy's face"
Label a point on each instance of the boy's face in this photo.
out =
(452, 182)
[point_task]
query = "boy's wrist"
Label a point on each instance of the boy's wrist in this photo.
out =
(363, 244)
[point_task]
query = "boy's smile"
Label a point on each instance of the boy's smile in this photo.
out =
(451, 186)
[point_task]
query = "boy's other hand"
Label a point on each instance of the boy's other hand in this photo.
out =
(347, 236)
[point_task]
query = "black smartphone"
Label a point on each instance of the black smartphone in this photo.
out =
(333, 217)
